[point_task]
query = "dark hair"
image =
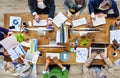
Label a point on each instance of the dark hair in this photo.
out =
(53, 77)
(81, 2)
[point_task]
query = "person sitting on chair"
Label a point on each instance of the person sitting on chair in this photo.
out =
(42, 7)
(108, 70)
(101, 8)
(55, 71)
(74, 7)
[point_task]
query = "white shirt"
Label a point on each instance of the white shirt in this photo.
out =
(41, 5)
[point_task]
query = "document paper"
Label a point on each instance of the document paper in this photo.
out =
(59, 18)
(40, 23)
(115, 34)
(99, 21)
(79, 22)
(52, 55)
(81, 55)
(16, 22)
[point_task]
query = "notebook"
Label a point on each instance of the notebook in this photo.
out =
(98, 47)
(99, 21)
(52, 55)
(13, 47)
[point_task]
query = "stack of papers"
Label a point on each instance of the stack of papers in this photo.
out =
(59, 19)
(81, 55)
(79, 22)
(99, 21)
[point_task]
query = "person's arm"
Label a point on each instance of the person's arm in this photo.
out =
(115, 10)
(82, 7)
(32, 4)
(88, 63)
(4, 30)
(66, 6)
(31, 7)
(106, 60)
(46, 71)
(52, 9)
(90, 7)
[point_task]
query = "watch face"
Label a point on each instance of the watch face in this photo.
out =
(15, 22)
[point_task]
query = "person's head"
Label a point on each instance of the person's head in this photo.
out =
(53, 77)
(106, 4)
(102, 75)
(80, 2)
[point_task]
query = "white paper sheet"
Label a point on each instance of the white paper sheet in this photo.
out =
(52, 55)
(58, 37)
(99, 21)
(81, 55)
(32, 57)
(59, 18)
(117, 62)
(79, 22)
(115, 34)
(16, 22)
(41, 23)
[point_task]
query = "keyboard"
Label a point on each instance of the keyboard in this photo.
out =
(98, 50)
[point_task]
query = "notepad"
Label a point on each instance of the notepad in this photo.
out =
(59, 19)
(115, 34)
(79, 22)
(12, 46)
(99, 21)
(40, 23)
(52, 55)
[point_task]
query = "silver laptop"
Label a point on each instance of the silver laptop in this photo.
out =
(98, 47)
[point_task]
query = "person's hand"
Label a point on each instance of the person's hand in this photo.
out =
(48, 60)
(102, 55)
(6, 53)
(56, 61)
(37, 18)
(49, 23)
(69, 15)
(9, 33)
(93, 16)
(93, 55)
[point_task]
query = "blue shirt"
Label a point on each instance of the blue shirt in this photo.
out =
(2, 32)
(94, 5)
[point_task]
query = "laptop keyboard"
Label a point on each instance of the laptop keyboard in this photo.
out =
(98, 50)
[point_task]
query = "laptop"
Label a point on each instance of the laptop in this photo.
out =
(98, 47)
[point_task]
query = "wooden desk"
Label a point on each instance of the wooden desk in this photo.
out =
(102, 36)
